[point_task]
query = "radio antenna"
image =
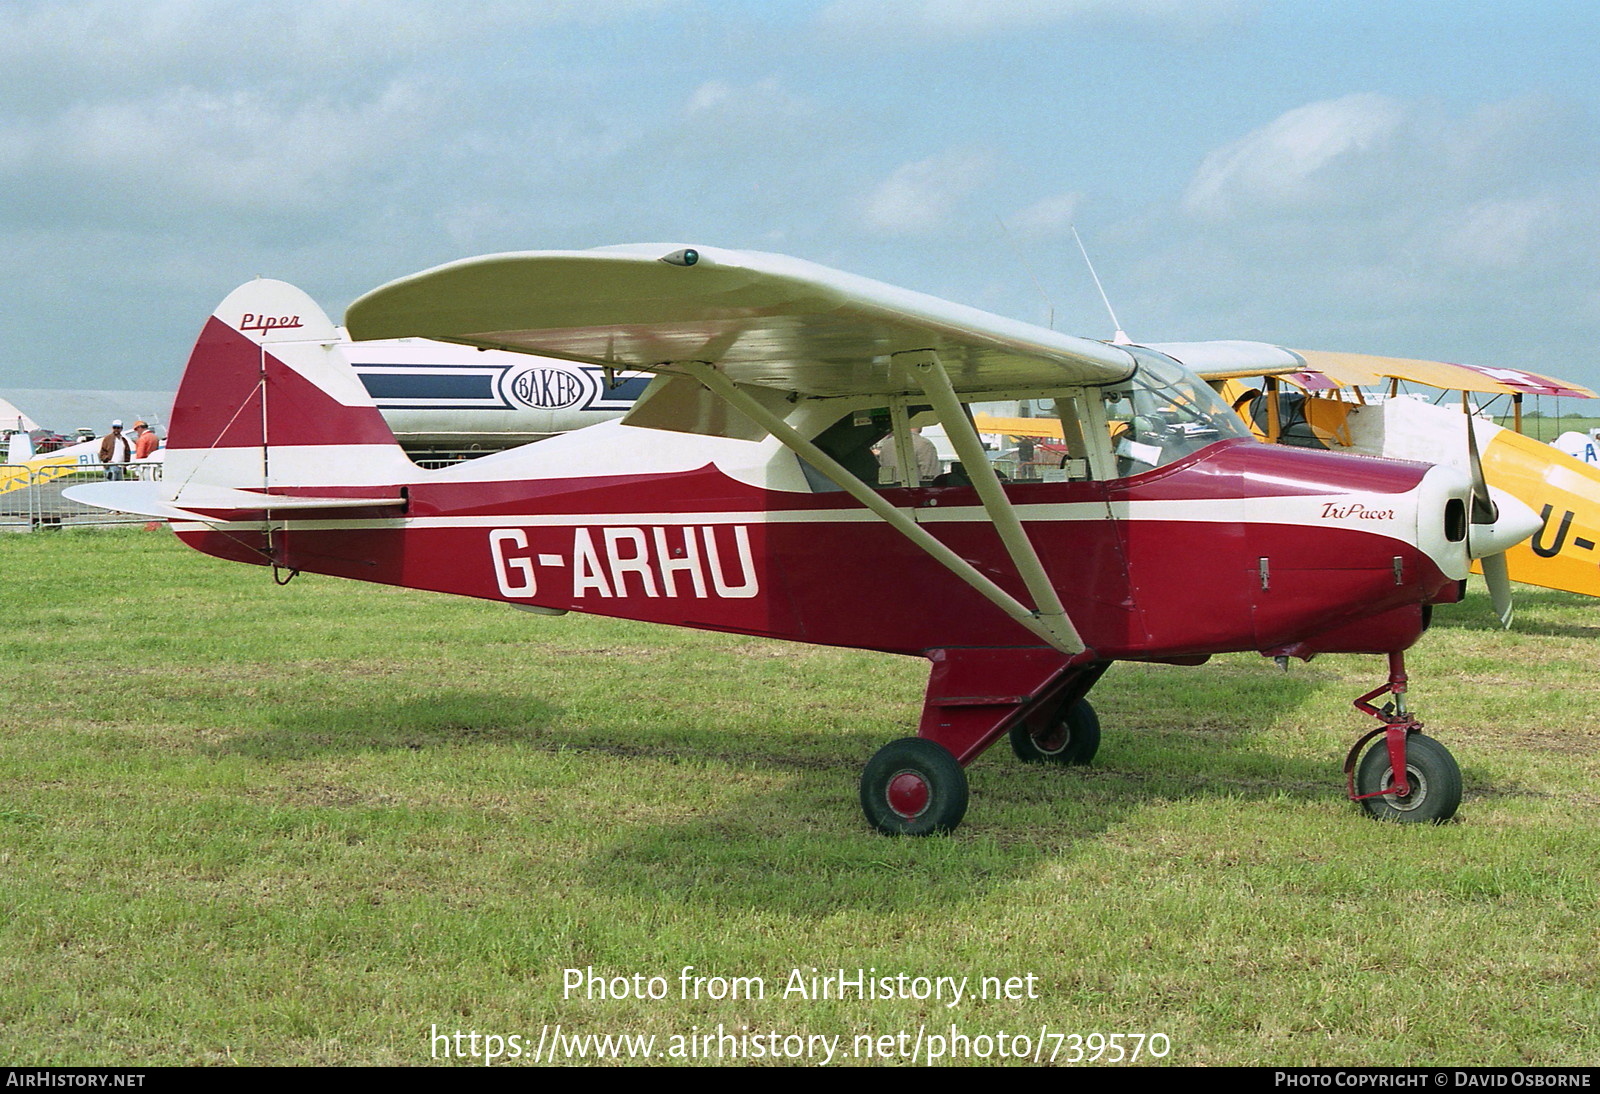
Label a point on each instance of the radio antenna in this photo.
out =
(1017, 251)
(1121, 337)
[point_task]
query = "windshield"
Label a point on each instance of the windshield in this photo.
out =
(1164, 413)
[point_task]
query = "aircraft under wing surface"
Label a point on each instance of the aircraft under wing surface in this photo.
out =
(766, 320)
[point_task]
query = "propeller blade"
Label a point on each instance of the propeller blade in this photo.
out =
(1484, 510)
(1495, 573)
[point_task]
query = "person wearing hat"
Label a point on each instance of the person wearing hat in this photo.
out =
(115, 452)
(145, 440)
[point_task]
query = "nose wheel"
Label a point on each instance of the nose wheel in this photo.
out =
(1433, 782)
(1405, 776)
(913, 787)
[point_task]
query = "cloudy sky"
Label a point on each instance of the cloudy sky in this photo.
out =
(1412, 177)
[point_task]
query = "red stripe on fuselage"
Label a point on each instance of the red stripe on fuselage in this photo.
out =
(863, 585)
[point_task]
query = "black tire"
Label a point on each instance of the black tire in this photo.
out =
(913, 787)
(1434, 776)
(1074, 737)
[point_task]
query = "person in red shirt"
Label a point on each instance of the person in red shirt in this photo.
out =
(145, 441)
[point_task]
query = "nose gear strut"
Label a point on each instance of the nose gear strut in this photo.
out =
(1410, 776)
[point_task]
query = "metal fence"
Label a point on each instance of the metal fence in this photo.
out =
(30, 495)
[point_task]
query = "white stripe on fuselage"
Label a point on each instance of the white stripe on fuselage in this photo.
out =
(1380, 514)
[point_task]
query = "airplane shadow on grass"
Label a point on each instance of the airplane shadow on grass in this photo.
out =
(322, 727)
(802, 847)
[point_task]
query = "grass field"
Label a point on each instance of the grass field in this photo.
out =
(1548, 429)
(319, 824)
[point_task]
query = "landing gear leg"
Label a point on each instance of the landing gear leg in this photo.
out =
(917, 786)
(1407, 777)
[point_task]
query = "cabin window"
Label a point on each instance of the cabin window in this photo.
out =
(1163, 414)
(863, 441)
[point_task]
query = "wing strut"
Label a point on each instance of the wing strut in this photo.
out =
(1058, 633)
(930, 374)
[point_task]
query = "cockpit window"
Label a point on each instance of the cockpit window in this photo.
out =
(1162, 414)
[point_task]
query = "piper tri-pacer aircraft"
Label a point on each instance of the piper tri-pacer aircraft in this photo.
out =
(741, 494)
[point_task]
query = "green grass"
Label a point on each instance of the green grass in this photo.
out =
(1547, 429)
(307, 825)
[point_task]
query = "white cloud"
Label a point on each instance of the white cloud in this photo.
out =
(956, 19)
(1051, 218)
(1386, 225)
(763, 102)
(1297, 158)
(239, 150)
(1494, 234)
(921, 198)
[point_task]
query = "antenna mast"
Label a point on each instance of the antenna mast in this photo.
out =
(1120, 338)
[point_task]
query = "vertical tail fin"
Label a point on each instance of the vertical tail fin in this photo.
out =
(269, 401)
(20, 447)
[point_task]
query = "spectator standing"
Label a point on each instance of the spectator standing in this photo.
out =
(145, 440)
(115, 452)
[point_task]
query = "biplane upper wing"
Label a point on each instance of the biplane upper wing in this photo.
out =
(1345, 367)
(1320, 369)
(1234, 360)
(765, 320)
(1043, 428)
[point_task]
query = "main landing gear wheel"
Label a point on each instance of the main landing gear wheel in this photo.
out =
(1073, 737)
(913, 787)
(1431, 771)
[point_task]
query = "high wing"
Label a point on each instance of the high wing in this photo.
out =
(749, 330)
(764, 320)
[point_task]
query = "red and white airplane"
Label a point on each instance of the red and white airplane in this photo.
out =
(742, 494)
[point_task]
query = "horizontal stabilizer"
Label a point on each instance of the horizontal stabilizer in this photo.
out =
(151, 499)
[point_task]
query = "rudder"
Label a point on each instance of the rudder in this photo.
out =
(269, 400)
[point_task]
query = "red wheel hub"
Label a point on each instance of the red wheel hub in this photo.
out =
(908, 794)
(1054, 739)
